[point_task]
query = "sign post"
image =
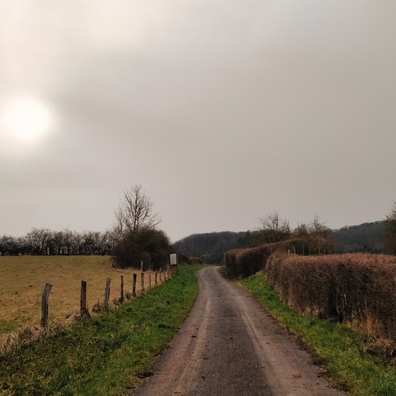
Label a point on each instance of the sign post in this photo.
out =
(173, 260)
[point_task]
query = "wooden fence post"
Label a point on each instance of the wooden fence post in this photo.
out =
(107, 293)
(156, 278)
(134, 285)
(44, 305)
(122, 289)
(83, 300)
(149, 280)
(142, 281)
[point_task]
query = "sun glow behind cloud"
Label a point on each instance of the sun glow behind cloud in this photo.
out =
(25, 119)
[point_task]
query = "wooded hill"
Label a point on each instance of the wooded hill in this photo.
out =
(366, 238)
(210, 247)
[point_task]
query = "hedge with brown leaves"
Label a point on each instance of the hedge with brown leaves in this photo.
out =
(245, 262)
(359, 289)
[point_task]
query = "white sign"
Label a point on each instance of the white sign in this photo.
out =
(173, 259)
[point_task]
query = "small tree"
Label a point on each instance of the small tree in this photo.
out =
(321, 237)
(136, 211)
(272, 229)
(390, 231)
(135, 236)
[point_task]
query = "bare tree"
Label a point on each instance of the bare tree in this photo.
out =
(321, 237)
(272, 229)
(38, 240)
(136, 211)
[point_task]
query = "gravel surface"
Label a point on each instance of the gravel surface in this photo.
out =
(230, 346)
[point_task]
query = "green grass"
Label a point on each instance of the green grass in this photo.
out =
(337, 347)
(104, 355)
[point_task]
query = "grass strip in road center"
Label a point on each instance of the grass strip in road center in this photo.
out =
(338, 348)
(103, 355)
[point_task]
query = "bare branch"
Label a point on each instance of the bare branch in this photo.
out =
(135, 212)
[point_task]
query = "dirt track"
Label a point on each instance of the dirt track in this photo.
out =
(230, 346)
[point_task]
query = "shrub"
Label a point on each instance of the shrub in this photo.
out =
(151, 246)
(245, 262)
(353, 288)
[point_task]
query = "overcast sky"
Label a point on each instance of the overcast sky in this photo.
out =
(223, 111)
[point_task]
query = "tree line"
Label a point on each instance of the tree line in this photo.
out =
(362, 238)
(210, 247)
(375, 237)
(43, 241)
(316, 237)
(134, 238)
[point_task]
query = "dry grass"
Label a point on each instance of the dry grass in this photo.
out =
(22, 280)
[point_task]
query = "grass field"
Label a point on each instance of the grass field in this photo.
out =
(22, 280)
(105, 355)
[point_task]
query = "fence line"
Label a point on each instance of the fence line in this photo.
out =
(84, 312)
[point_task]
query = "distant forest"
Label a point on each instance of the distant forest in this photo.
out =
(210, 247)
(366, 238)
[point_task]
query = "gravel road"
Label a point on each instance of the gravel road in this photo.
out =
(230, 346)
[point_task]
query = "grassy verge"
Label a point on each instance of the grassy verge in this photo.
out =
(339, 349)
(104, 355)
